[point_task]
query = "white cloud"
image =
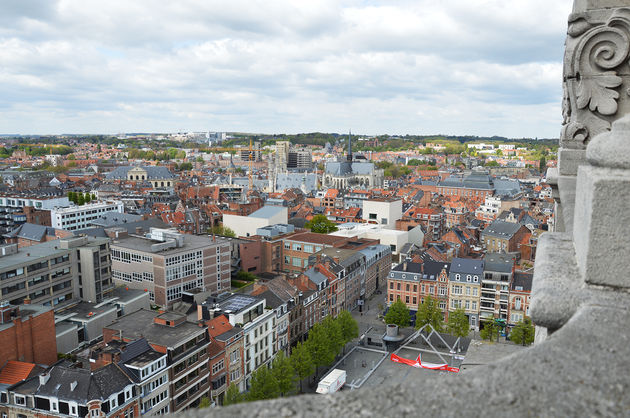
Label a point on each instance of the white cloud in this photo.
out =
(485, 67)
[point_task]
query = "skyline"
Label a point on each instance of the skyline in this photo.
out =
(401, 67)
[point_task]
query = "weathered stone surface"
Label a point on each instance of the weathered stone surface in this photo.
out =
(584, 5)
(569, 160)
(557, 281)
(611, 149)
(601, 227)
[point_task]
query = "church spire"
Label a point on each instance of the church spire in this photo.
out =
(349, 156)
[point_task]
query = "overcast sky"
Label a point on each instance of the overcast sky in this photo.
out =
(480, 67)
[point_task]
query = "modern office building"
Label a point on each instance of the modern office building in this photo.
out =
(79, 217)
(165, 263)
(55, 272)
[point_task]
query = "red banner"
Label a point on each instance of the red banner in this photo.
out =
(418, 363)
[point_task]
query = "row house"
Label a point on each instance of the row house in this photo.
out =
(502, 236)
(281, 297)
(520, 297)
(226, 356)
(146, 367)
(433, 221)
(349, 266)
(257, 321)
(184, 343)
(413, 282)
(455, 211)
(495, 285)
(465, 287)
(378, 262)
(299, 247)
(307, 310)
(326, 277)
(66, 391)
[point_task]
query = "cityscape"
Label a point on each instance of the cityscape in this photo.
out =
(254, 266)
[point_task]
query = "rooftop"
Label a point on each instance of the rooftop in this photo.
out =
(140, 324)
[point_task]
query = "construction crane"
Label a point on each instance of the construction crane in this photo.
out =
(251, 159)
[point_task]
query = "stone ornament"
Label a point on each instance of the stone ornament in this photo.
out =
(596, 74)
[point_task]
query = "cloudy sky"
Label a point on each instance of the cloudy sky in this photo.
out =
(481, 67)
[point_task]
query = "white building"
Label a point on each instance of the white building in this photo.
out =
(490, 209)
(384, 212)
(80, 217)
(41, 203)
(244, 226)
(394, 238)
(258, 323)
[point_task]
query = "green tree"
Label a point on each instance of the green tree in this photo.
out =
(491, 164)
(302, 362)
(457, 324)
(348, 325)
(263, 385)
(334, 335)
(98, 148)
(490, 330)
(204, 402)
(87, 198)
(523, 332)
(93, 196)
(222, 230)
(542, 164)
(318, 346)
(199, 159)
(71, 157)
(72, 196)
(429, 313)
(233, 395)
(80, 199)
(283, 372)
(321, 225)
(398, 314)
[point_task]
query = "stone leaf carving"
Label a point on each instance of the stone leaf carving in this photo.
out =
(597, 93)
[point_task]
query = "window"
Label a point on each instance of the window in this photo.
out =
(457, 277)
(415, 300)
(391, 297)
(397, 286)
(468, 278)
(218, 366)
(235, 374)
(406, 299)
(407, 287)
(20, 400)
(391, 285)
(475, 292)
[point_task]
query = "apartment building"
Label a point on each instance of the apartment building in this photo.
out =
(349, 266)
(34, 206)
(258, 323)
(146, 367)
(77, 217)
(378, 263)
(495, 285)
(226, 356)
(66, 391)
(413, 282)
(55, 272)
(465, 287)
(185, 345)
(166, 263)
(296, 249)
(520, 297)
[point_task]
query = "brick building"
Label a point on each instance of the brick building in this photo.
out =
(27, 334)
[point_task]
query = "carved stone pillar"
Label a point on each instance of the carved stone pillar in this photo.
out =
(593, 176)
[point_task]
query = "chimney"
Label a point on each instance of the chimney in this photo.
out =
(43, 378)
(27, 301)
(405, 266)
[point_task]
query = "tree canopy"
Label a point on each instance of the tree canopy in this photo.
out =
(284, 374)
(457, 324)
(523, 332)
(429, 313)
(321, 225)
(398, 314)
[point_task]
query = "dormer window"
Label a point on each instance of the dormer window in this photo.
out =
(457, 277)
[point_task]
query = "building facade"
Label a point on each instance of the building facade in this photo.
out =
(77, 217)
(166, 263)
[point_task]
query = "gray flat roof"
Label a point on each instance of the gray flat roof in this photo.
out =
(191, 242)
(140, 324)
(33, 253)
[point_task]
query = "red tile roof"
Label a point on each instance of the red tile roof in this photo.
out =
(15, 371)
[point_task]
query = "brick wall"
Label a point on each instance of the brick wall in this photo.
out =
(31, 340)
